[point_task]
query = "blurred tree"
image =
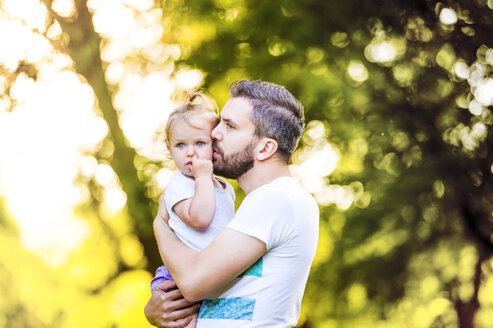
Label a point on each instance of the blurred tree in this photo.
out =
(104, 275)
(84, 48)
(404, 90)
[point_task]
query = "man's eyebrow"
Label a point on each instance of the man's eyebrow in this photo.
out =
(227, 120)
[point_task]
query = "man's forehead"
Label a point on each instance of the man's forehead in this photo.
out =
(236, 108)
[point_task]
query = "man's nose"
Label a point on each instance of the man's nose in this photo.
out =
(216, 133)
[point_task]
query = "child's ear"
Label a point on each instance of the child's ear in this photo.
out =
(267, 148)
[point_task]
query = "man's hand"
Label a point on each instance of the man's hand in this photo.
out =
(167, 308)
(162, 212)
(201, 168)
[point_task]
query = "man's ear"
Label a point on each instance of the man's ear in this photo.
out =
(267, 147)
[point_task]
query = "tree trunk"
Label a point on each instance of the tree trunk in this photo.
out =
(466, 311)
(84, 49)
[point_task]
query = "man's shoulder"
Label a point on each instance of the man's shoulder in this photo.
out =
(269, 193)
(293, 190)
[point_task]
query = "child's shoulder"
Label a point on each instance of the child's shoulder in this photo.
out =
(219, 182)
(179, 179)
(223, 182)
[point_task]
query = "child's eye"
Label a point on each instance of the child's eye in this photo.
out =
(200, 143)
(180, 145)
(229, 126)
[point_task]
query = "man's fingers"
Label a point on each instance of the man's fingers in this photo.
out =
(179, 303)
(185, 312)
(175, 294)
(161, 198)
(169, 292)
(167, 308)
(166, 285)
(162, 211)
(176, 324)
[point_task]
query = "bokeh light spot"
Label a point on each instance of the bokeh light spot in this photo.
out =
(114, 20)
(131, 250)
(64, 8)
(382, 52)
(357, 71)
(339, 39)
(114, 198)
(188, 79)
(448, 16)
(461, 69)
(475, 108)
(484, 92)
(105, 175)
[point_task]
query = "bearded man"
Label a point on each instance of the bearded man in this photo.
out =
(254, 273)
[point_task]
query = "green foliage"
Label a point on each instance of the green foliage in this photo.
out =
(391, 88)
(383, 77)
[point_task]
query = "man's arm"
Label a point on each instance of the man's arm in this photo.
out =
(198, 274)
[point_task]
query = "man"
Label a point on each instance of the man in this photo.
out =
(254, 273)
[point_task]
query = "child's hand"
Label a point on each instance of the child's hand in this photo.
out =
(201, 167)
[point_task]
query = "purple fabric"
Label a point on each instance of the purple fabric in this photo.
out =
(162, 274)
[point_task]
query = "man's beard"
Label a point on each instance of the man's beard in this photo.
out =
(234, 165)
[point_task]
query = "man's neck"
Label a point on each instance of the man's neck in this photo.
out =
(261, 174)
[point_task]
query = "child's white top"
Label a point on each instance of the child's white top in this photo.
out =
(181, 187)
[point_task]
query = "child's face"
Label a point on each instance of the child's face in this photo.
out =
(186, 141)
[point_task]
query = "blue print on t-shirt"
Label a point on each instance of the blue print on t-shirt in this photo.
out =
(255, 269)
(235, 308)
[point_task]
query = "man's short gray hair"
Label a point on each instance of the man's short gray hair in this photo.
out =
(276, 113)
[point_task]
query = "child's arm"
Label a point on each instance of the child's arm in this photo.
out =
(198, 211)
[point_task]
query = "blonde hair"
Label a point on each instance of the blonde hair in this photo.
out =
(194, 111)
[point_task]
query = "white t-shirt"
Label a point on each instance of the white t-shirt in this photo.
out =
(285, 217)
(181, 187)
